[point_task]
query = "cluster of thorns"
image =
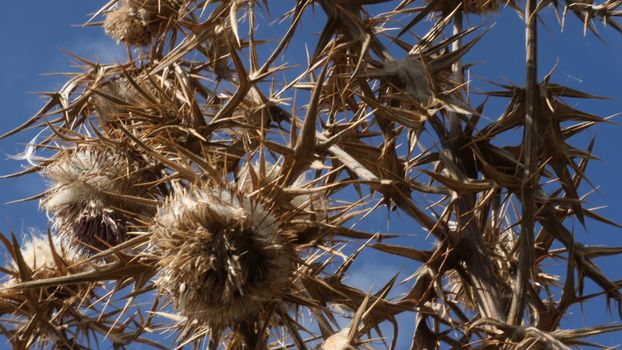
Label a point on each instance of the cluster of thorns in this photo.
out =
(194, 195)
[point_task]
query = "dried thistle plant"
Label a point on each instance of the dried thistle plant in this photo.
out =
(224, 186)
(136, 22)
(41, 257)
(35, 317)
(467, 6)
(90, 199)
(211, 239)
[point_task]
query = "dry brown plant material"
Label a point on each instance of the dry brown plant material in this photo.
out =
(222, 256)
(269, 166)
(90, 195)
(112, 97)
(467, 6)
(40, 257)
(136, 22)
(42, 260)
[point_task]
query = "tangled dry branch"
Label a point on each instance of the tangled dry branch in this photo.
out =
(189, 197)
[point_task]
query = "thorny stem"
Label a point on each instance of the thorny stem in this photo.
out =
(457, 67)
(525, 252)
(470, 242)
(481, 252)
(456, 45)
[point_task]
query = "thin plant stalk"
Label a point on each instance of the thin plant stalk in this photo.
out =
(525, 252)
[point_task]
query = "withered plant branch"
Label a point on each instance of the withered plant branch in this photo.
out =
(529, 183)
(245, 209)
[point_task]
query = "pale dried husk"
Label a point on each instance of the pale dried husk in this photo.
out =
(44, 258)
(86, 199)
(222, 256)
(136, 22)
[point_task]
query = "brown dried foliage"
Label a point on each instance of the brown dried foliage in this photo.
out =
(231, 205)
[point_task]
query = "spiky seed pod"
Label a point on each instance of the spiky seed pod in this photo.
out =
(223, 256)
(85, 200)
(128, 25)
(42, 259)
(135, 22)
(38, 317)
(479, 7)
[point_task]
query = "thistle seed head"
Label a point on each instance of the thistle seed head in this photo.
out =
(83, 200)
(38, 255)
(410, 74)
(34, 315)
(223, 256)
(42, 259)
(135, 22)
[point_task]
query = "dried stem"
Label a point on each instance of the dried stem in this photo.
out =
(529, 182)
(181, 172)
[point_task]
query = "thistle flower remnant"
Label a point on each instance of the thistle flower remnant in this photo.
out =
(410, 74)
(42, 258)
(254, 181)
(135, 22)
(223, 256)
(38, 317)
(84, 199)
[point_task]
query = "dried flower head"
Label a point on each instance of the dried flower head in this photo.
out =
(135, 22)
(38, 317)
(43, 257)
(223, 256)
(85, 199)
(408, 74)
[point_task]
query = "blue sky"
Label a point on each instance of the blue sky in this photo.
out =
(34, 34)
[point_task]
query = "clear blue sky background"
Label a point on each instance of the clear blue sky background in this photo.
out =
(33, 32)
